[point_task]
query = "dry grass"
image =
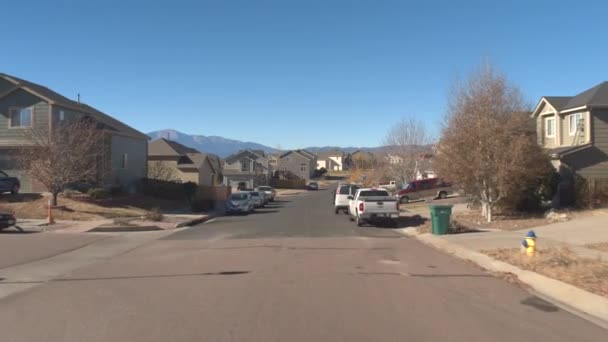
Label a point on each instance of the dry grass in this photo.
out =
(602, 246)
(26, 206)
(473, 220)
(561, 264)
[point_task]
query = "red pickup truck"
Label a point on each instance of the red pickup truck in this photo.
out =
(432, 188)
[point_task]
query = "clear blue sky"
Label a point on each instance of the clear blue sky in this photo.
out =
(296, 73)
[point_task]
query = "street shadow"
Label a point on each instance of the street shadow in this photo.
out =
(9, 198)
(262, 211)
(16, 230)
(222, 273)
(401, 222)
(539, 304)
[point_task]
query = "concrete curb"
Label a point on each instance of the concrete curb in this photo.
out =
(191, 222)
(592, 307)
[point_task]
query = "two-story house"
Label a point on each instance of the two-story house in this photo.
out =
(300, 163)
(330, 160)
(25, 105)
(186, 164)
(246, 169)
(574, 132)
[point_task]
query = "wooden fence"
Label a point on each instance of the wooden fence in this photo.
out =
(288, 183)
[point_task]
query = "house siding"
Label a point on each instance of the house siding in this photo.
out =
(20, 98)
(592, 163)
(545, 141)
(293, 162)
(137, 153)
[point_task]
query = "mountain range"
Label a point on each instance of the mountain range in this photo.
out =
(224, 147)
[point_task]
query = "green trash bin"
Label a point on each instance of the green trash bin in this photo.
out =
(440, 218)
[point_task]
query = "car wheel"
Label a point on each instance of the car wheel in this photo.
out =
(358, 221)
(337, 211)
(15, 189)
(443, 195)
(404, 200)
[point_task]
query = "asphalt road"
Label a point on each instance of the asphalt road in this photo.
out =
(292, 272)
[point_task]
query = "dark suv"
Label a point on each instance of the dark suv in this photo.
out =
(9, 184)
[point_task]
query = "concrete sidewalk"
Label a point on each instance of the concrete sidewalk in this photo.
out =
(573, 234)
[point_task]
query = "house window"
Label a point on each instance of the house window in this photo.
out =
(574, 121)
(303, 167)
(61, 115)
(286, 158)
(245, 165)
(550, 127)
(124, 161)
(21, 117)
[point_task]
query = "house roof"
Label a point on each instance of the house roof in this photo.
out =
(164, 147)
(558, 102)
(596, 96)
(559, 152)
(60, 100)
(327, 154)
(248, 153)
(303, 153)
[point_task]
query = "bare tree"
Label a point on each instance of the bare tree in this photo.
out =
(72, 152)
(406, 141)
(488, 145)
(161, 171)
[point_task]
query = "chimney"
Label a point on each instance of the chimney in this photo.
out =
(78, 98)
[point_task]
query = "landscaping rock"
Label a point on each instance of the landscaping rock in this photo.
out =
(555, 216)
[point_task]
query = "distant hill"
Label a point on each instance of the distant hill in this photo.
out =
(210, 144)
(224, 147)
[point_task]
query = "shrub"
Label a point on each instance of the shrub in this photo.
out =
(154, 215)
(98, 193)
(69, 193)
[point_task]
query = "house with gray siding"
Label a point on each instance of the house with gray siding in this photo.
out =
(25, 104)
(574, 132)
(300, 163)
(246, 169)
(183, 163)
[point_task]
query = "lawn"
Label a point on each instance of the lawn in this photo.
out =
(561, 264)
(31, 206)
(602, 246)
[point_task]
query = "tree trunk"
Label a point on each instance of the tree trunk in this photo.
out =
(54, 199)
(489, 213)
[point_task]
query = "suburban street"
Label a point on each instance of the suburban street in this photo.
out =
(293, 271)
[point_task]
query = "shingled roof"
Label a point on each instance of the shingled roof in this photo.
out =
(55, 98)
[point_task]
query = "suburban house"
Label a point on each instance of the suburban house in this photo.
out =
(330, 160)
(247, 169)
(574, 132)
(300, 163)
(424, 167)
(393, 159)
(25, 105)
(185, 164)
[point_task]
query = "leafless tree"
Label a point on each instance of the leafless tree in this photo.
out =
(406, 141)
(161, 171)
(72, 152)
(488, 144)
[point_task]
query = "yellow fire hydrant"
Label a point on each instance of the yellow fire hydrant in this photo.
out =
(529, 243)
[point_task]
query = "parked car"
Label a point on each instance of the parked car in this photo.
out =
(268, 191)
(390, 186)
(257, 198)
(239, 202)
(368, 205)
(7, 221)
(313, 186)
(431, 188)
(341, 196)
(9, 184)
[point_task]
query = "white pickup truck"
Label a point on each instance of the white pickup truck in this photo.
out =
(372, 204)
